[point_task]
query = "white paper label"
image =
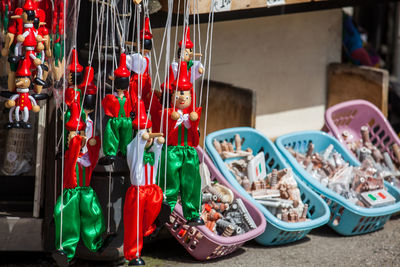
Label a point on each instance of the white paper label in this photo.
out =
(222, 5)
(275, 2)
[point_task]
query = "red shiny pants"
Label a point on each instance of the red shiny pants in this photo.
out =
(146, 207)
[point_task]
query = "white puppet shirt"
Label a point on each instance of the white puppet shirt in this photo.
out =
(143, 173)
(137, 63)
(195, 73)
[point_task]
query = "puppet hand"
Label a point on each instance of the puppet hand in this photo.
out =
(161, 140)
(201, 70)
(36, 108)
(71, 135)
(92, 142)
(20, 38)
(175, 115)
(83, 141)
(10, 103)
(137, 2)
(145, 136)
(193, 116)
(37, 61)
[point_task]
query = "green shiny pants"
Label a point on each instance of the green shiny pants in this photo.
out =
(118, 133)
(81, 217)
(183, 177)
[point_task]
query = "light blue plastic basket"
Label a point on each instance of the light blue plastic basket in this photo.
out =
(277, 232)
(346, 218)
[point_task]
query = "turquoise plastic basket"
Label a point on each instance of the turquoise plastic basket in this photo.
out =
(346, 217)
(277, 232)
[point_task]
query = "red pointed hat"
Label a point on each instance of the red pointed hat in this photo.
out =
(23, 68)
(122, 70)
(74, 122)
(139, 122)
(170, 79)
(183, 84)
(146, 30)
(91, 88)
(74, 66)
(188, 42)
(29, 5)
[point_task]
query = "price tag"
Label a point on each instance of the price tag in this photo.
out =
(222, 5)
(275, 2)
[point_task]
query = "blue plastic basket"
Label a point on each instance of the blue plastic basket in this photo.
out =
(346, 217)
(277, 232)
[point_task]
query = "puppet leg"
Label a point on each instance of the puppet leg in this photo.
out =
(125, 133)
(92, 220)
(70, 222)
(111, 137)
(133, 222)
(152, 207)
(17, 114)
(26, 114)
(172, 180)
(190, 184)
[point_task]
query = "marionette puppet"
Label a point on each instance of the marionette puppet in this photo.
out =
(21, 102)
(75, 73)
(185, 53)
(39, 24)
(78, 213)
(143, 200)
(117, 108)
(28, 42)
(139, 64)
(89, 101)
(156, 101)
(182, 162)
(9, 44)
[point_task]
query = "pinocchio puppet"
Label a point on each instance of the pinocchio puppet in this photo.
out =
(21, 102)
(185, 53)
(144, 198)
(77, 213)
(138, 63)
(118, 108)
(182, 161)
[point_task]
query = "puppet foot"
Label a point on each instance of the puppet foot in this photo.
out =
(107, 160)
(9, 126)
(40, 96)
(13, 59)
(107, 241)
(44, 67)
(17, 125)
(26, 125)
(60, 258)
(195, 222)
(39, 81)
(137, 261)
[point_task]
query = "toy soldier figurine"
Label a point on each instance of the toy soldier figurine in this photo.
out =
(78, 214)
(144, 198)
(139, 63)
(185, 53)
(182, 162)
(22, 101)
(118, 131)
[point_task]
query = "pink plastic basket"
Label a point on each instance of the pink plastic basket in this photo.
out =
(351, 115)
(199, 241)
